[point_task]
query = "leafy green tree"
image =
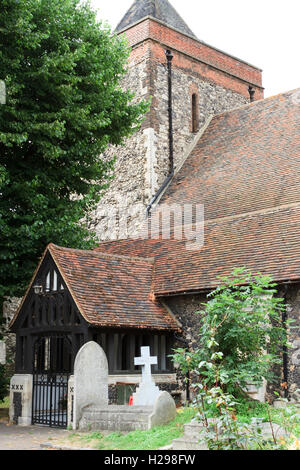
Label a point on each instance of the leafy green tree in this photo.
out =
(65, 105)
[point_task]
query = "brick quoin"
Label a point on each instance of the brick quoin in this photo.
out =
(193, 56)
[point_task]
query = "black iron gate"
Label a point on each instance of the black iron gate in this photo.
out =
(52, 368)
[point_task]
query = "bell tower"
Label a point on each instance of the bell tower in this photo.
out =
(205, 81)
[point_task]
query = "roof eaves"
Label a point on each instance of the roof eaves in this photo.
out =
(205, 290)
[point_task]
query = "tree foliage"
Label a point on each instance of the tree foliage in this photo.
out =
(65, 105)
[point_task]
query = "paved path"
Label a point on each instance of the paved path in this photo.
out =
(27, 438)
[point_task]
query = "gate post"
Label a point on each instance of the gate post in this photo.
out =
(20, 409)
(70, 401)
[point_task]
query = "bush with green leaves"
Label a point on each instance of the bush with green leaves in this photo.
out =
(221, 429)
(241, 332)
(240, 339)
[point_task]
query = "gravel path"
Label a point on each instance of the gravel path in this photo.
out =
(27, 438)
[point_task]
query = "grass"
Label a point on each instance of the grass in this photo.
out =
(155, 438)
(251, 409)
(247, 410)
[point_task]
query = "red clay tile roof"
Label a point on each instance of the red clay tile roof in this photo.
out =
(265, 241)
(136, 247)
(247, 160)
(112, 291)
(246, 171)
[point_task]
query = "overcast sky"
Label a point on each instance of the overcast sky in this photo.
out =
(265, 33)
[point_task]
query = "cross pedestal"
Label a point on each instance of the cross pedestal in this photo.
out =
(147, 392)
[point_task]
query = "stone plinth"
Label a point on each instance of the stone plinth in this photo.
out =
(115, 418)
(129, 418)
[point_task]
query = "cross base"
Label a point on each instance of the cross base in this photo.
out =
(146, 394)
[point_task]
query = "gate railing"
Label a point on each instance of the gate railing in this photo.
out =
(52, 369)
(50, 399)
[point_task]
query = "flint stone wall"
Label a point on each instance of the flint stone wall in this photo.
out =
(142, 163)
(10, 307)
(293, 313)
(186, 307)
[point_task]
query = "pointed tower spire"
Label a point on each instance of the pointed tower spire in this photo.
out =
(162, 10)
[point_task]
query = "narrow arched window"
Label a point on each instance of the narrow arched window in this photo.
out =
(54, 287)
(48, 282)
(194, 113)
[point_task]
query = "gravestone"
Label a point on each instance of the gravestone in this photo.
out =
(164, 410)
(147, 392)
(90, 380)
(2, 352)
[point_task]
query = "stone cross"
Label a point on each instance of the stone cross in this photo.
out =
(146, 361)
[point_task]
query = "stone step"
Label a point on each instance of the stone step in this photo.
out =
(191, 440)
(193, 430)
(183, 443)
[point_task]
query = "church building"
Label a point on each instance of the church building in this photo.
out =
(209, 140)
